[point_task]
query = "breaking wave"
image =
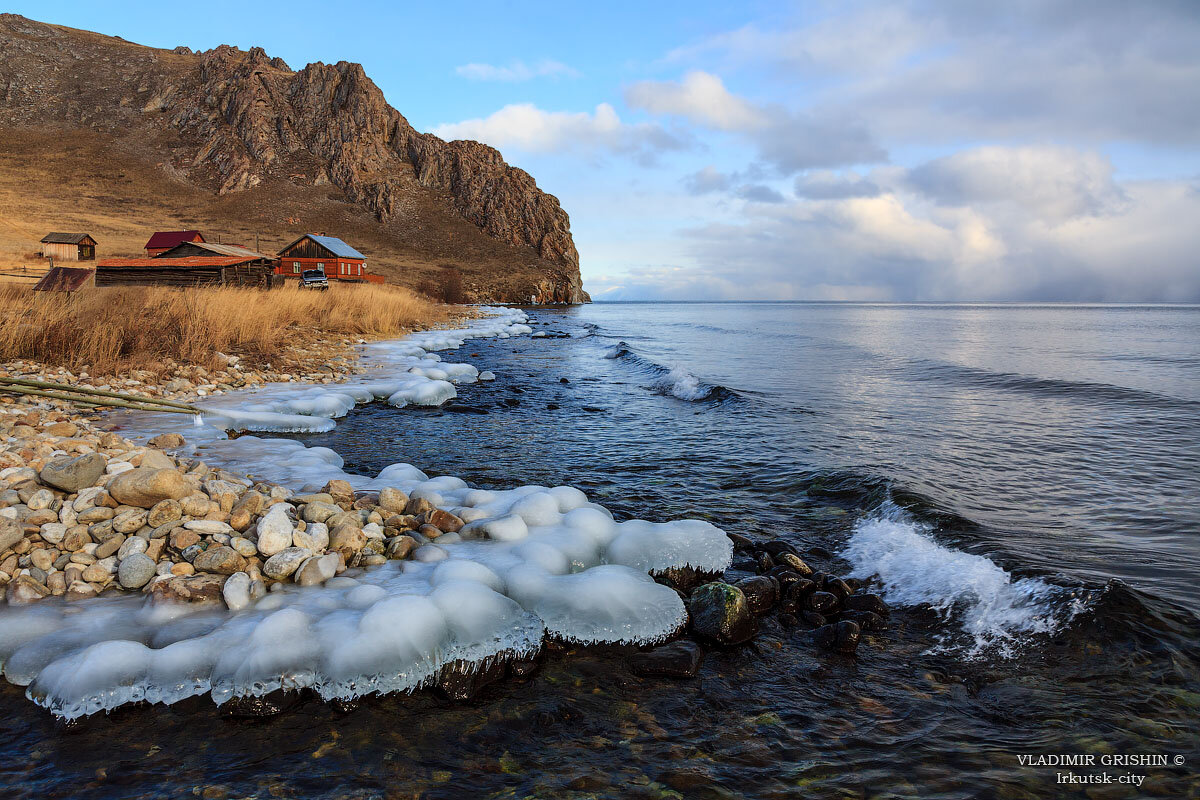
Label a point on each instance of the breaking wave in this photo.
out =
(995, 614)
(673, 381)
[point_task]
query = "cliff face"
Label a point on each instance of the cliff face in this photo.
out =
(231, 121)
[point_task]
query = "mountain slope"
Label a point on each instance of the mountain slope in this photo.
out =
(100, 134)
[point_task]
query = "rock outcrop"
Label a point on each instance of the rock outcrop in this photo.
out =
(230, 120)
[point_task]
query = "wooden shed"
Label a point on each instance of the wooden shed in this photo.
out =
(186, 249)
(66, 279)
(162, 241)
(69, 247)
(186, 271)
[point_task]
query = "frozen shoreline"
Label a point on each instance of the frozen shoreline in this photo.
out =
(516, 565)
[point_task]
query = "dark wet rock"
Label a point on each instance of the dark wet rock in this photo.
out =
(563, 380)
(740, 542)
(777, 546)
(866, 602)
(593, 409)
(675, 660)
(524, 667)
(787, 606)
(867, 620)
(837, 586)
(787, 619)
(464, 408)
(794, 562)
(511, 402)
(814, 619)
(551, 406)
(822, 602)
(686, 780)
(344, 706)
(719, 613)
(266, 706)
(762, 593)
(798, 590)
(841, 636)
(683, 579)
(854, 583)
(764, 563)
(819, 552)
(786, 576)
(461, 680)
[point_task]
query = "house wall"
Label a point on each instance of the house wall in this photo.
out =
(345, 269)
(61, 252)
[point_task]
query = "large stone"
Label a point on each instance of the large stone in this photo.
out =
(163, 512)
(842, 637)
(135, 570)
(11, 533)
(155, 459)
(167, 440)
(274, 531)
(222, 560)
(204, 589)
(392, 500)
(720, 613)
(319, 512)
(73, 474)
(285, 562)
(25, 589)
(314, 537)
(317, 570)
(347, 540)
(144, 488)
(675, 660)
(444, 521)
(762, 593)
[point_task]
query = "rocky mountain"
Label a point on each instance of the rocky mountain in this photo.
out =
(269, 150)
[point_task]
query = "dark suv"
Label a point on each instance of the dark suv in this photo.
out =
(313, 279)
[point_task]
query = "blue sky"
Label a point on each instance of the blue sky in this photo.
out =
(855, 150)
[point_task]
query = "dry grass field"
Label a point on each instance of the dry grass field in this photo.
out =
(110, 330)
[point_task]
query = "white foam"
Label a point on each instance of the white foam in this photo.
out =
(994, 612)
(682, 384)
(531, 561)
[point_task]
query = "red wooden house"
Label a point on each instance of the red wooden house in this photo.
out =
(162, 241)
(338, 260)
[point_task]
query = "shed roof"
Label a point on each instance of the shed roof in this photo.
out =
(63, 279)
(64, 238)
(170, 263)
(219, 249)
(332, 244)
(171, 238)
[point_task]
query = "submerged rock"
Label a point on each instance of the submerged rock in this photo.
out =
(719, 612)
(675, 660)
(841, 636)
(460, 680)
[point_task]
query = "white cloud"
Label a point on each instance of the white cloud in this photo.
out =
(990, 223)
(701, 98)
(516, 71)
(526, 127)
(787, 141)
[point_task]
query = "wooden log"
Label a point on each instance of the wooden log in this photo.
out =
(95, 392)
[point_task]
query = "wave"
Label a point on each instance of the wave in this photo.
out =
(996, 615)
(673, 381)
(1047, 387)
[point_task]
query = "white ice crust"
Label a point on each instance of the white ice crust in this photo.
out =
(531, 561)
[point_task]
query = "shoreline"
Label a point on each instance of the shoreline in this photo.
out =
(184, 532)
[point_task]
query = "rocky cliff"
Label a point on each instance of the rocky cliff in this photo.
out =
(228, 121)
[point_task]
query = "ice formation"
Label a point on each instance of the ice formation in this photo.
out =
(530, 561)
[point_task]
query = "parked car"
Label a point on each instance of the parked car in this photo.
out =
(314, 279)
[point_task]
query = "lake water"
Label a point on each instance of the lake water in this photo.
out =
(1023, 480)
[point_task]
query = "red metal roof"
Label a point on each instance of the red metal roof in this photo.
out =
(169, 263)
(63, 279)
(171, 238)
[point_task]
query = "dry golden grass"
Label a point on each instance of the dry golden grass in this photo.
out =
(109, 330)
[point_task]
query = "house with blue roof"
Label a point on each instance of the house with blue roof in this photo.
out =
(338, 260)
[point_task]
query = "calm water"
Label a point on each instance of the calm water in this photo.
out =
(1024, 477)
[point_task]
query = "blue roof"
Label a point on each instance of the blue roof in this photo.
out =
(336, 246)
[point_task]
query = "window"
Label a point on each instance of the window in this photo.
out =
(296, 267)
(321, 266)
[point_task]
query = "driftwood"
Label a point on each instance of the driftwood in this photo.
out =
(93, 397)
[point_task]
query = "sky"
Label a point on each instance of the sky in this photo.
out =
(930, 151)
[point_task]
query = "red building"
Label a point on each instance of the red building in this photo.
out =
(338, 260)
(162, 241)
